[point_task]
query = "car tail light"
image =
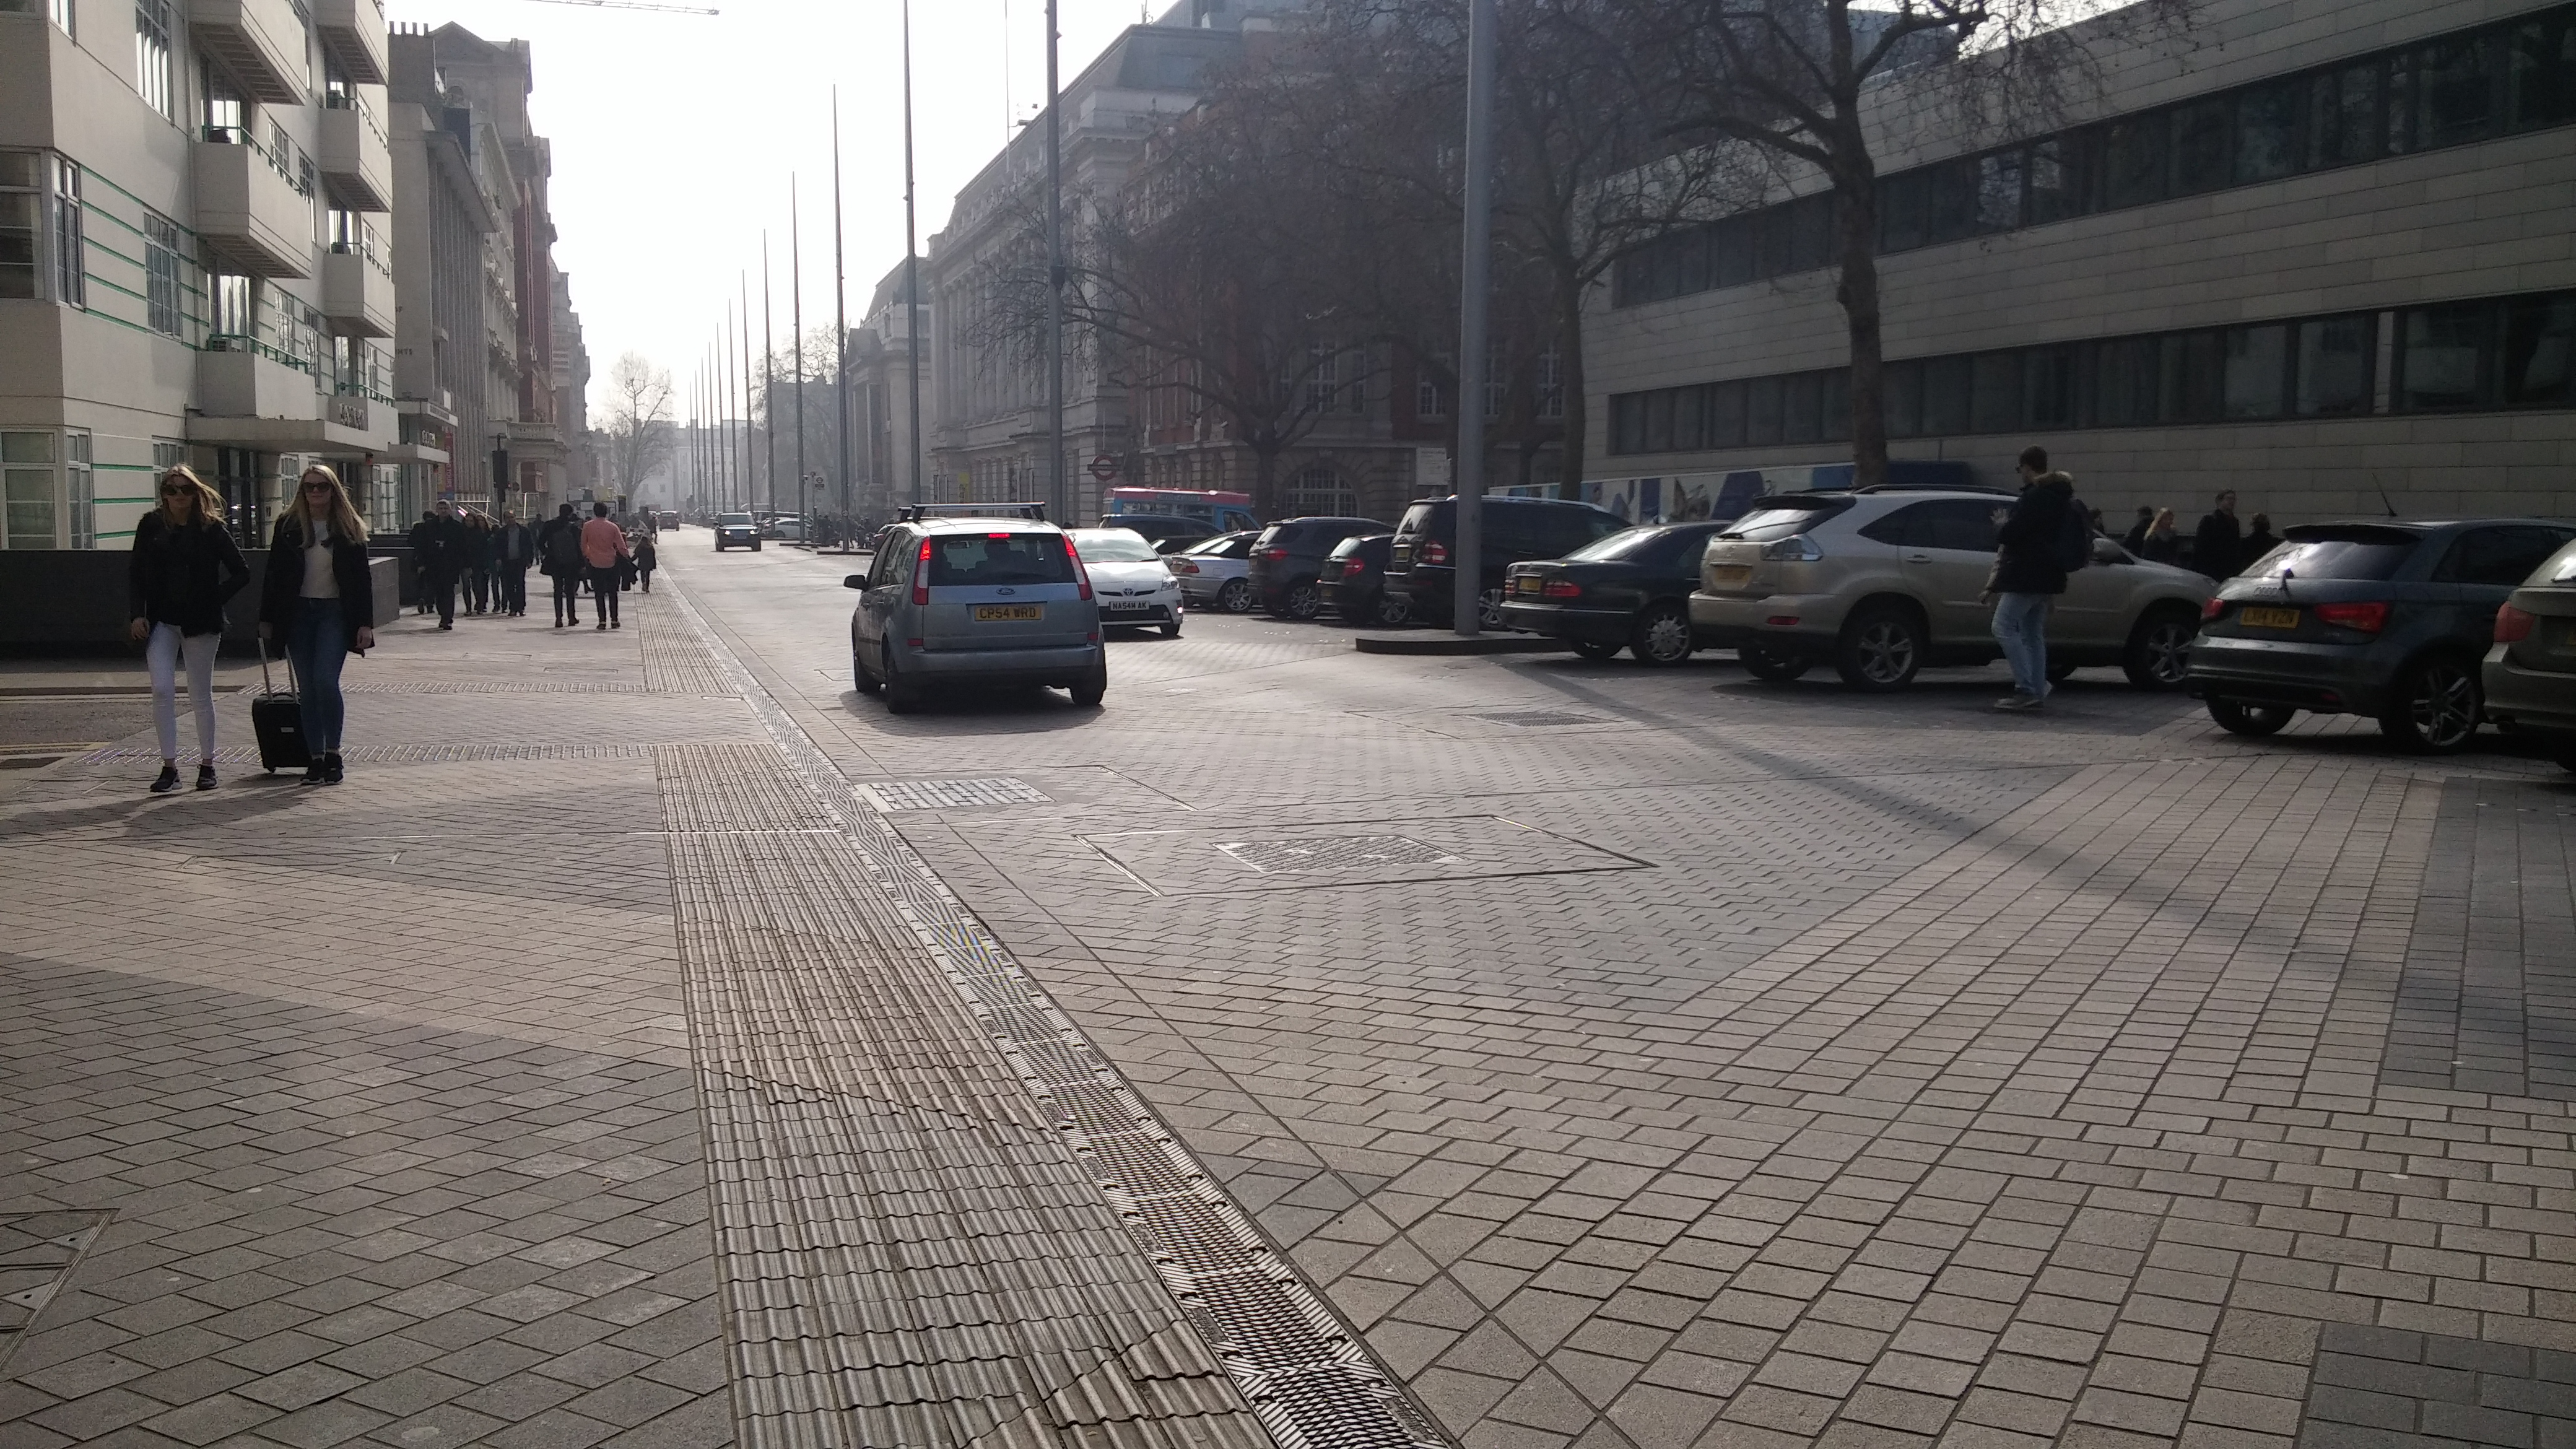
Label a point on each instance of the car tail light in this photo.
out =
(1354, 567)
(2513, 625)
(1561, 589)
(1435, 553)
(2213, 609)
(1081, 575)
(2367, 618)
(1189, 568)
(1275, 555)
(921, 575)
(1797, 549)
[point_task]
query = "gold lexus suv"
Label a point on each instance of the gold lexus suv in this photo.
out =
(1882, 582)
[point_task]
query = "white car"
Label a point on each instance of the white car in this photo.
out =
(1213, 571)
(786, 528)
(1132, 585)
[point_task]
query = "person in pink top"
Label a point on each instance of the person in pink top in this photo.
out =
(603, 548)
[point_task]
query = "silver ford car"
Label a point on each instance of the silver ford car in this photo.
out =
(976, 601)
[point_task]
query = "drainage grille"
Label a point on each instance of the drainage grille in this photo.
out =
(1331, 854)
(37, 1252)
(952, 794)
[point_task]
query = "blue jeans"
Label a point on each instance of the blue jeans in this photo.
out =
(2021, 626)
(318, 645)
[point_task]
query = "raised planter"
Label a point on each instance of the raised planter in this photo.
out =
(71, 603)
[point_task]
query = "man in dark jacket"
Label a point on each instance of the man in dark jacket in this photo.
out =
(2030, 572)
(438, 550)
(2218, 550)
(513, 549)
(559, 549)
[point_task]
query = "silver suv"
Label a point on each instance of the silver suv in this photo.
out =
(975, 601)
(1884, 581)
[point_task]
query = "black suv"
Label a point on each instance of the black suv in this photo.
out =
(1517, 530)
(1289, 557)
(2385, 619)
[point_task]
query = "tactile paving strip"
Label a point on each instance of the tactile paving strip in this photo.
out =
(1306, 1375)
(37, 1254)
(496, 686)
(403, 754)
(951, 794)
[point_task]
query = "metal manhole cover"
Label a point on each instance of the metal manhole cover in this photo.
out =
(1539, 719)
(952, 794)
(1331, 854)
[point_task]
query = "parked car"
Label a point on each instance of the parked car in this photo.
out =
(736, 530)
(2384, 619)
(1288, 559)
(1516, 530)
(2530, 674)
(1128, 578)
(1353, 582)
(1882, 582)
(1213, 572)
(1167, 534)
(785, 527)
(1627, 590)
(960, 601)
(924, 512)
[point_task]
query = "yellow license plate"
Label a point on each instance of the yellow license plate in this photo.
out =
(1007, 613)
(2268, 618)
(1530, 584)
(1728, 576)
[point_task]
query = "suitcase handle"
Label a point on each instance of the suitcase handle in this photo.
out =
(267, 685)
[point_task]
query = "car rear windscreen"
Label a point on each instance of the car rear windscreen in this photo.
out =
(1774, 519)
(2361, 554)
(984, 560)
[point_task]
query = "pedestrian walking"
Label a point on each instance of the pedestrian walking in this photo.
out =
(320, 602)
(2037, 541)
(604, 552)
(2218, 548)
(479, 563)
(438, 548)
(2161, 545)
(184, 567)
(2135, 540)
(559, 549)
(513, 549)
(2259, 542)
(648, 557)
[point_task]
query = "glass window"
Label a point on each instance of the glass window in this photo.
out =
(1120, 545)
(161, 253)
(1686, 270)
(1945, 396)
(27, 489)
(2201, 146)
(1999, 200)
(2541, 76)
(1762, 409)
(1802, 405)
(1904, 211)
(1730, 252)
(1628, 423)
(2347, 551)
(1551, 383)
(2335, 366)
(1726, 415)
(20, 203)
(1774, 241)
(233, 311)
(78, 494)
(1965, 525)
(1005, 558)
(2126, 379)
(1659, 421)
(2061, 170)
(1811, 232)
(2399, 109)
(71, 250)
(2257, 366)
(1901, 399)
(2267, 131)
(152, 53)
(2441, 356)
(1996, 395)
(1953, 212)
(2498, 557)
(2455, 92)
(1899, 529)
(2134, 161)
(2539, 334)
(2343, 115)
(2048, 387)
(1835, 406)
(1690, 421)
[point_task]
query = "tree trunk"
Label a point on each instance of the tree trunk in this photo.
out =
(1265, 481)
(1570, 381)
(1857, 187)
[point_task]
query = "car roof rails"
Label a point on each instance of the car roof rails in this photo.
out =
(1987, 489)
(917, 512)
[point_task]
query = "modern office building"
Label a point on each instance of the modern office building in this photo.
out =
(193, 257)
(2321, 254)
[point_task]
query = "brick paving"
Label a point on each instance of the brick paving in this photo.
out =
(1636, 1058)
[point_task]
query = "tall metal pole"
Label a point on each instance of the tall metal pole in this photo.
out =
(769, 372)
(746, 399)
(911, 262)
(1059, 498)
(840, 322)
(1475, 283)
(724, 409)
(796, 337)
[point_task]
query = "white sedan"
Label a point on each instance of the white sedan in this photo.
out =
(1213, 571)
(1129, 580)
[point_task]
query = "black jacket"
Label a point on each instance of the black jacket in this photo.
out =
(513, 546)
(2029, 547)
(280, 594)
(2218, 550)
(182, 574)
(438, 546)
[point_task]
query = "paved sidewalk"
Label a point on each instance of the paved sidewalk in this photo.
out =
(656, 1043)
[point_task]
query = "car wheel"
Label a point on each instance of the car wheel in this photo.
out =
(1303, 601)
(1880, 650)
(1663, 636)
(1390, 609)
(1172, 630)
(867, 683)
(1768, 664)
(1235, 597)
(2253, 721)
(1594, 649)
(2159, 652)
(902, 696)
(1489, 608)
(1088, 692)
(2436, 708)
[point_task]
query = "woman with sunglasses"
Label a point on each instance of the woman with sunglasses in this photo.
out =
(185, 566)
(320, 599)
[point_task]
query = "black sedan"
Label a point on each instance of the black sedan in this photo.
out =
(1630, 590)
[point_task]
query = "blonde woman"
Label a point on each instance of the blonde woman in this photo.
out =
(184, 568)
(2160, 545)
(320, 599)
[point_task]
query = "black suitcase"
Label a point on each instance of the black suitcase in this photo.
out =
(278, 720)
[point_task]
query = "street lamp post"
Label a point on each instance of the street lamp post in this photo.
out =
(1475, 267)
(911, 261)
(1059, 495)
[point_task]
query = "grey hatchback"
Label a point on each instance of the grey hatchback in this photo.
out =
(2530, 674)
(975, 601)
(2385, 619)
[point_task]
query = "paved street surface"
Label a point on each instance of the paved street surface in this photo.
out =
(655, 1043)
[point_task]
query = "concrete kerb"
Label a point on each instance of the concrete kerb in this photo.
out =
(1444, 643)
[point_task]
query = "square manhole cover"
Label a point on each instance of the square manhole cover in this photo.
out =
(953, 794)
(1331, 854)
(1539, 719)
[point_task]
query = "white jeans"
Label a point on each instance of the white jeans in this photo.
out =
(163, 654)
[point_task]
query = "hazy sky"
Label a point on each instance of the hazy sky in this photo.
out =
(675, 135)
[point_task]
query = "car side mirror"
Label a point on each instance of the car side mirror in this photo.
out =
(854, 581)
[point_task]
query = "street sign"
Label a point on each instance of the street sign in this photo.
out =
(1104, 467)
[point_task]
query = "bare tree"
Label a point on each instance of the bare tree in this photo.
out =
(639, 420)
(1806, 83)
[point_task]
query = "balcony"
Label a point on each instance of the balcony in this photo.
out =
(250, 208)
(354, 31)
(260, 41)
(357, 157)
(357, 293)
(244, 380)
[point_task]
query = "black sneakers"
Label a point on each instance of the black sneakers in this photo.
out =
(331, 772)
(313, 773)
(206, 775)
(168, 782)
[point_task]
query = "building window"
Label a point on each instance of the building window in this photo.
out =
(78, 491)
(2442, 356)
(71, 251)
(152, 53)
(21, 205)
(1319, 492)
(1430, 394)
(27, 489)
(233, 312)
(2333, 369)
(1551, 385)
(58, 11)
(162, 249)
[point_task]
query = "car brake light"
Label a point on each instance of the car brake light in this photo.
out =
(1354, 567)
(1081, 575)
(1435, 553)
(2513, 625)
(1189, 568)
(2213, 608)
(1275, 555)
(2367, 618)
(1561, 589)
(921, 575)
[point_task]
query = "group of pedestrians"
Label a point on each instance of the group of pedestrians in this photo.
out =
(465, 551)
(2220, 547)
(317, 602)
(597, 554)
